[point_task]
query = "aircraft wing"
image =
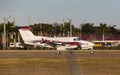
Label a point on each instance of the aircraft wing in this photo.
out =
(63, 45)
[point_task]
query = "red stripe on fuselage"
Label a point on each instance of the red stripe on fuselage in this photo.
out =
(62, 43)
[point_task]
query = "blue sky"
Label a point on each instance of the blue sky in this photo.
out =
(50, 11)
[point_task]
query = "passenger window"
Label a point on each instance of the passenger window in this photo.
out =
(74, 39)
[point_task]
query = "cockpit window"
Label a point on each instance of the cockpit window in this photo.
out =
(78, 39)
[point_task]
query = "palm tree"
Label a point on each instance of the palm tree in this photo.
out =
(103, 28)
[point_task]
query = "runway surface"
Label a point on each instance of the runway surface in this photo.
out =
(63, 54)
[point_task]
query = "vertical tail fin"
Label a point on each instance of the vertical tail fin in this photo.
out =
(26, 35)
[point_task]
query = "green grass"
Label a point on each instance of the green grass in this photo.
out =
(100, 66)
(33, 66)
(58, 66)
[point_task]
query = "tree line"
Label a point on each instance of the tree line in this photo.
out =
(57, 29)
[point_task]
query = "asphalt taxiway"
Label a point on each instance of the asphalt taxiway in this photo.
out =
(53, 53)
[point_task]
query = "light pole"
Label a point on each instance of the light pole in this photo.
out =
(70, 22)
(4, 34)
(81, 28)
(80, 31)
(14, 33)
(40, 29)
(63, 27)
(70, 27)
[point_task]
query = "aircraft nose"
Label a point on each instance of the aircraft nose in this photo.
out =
(92, 44)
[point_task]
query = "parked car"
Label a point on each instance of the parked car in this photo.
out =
(18, 44)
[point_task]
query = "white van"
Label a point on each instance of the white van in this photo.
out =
(18, 44)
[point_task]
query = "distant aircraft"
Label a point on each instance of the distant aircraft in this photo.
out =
(59, 43)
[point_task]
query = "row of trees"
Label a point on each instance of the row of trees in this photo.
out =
(87, 28)
(56, 29)
(101, 29)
